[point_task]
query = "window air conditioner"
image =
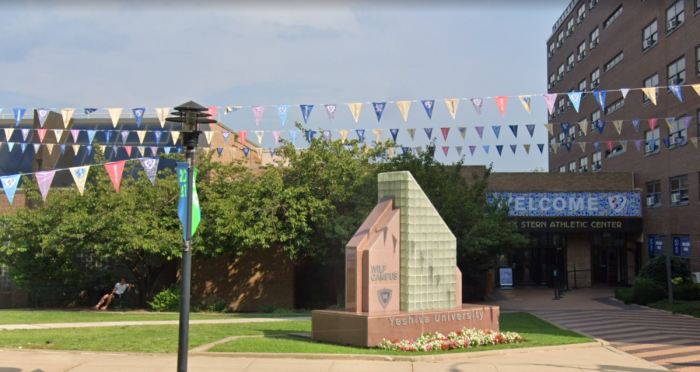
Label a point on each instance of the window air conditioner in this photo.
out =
(560, 110)
(676, 198)
(596, 167)
(551, 54)
(584, 169)
(551, 85)
(651, 201)
(647, 43)
(581, 55)
(561, 76)
(593, 4)
(581, 17)
(571, 66)
(672, 25)
(594, 85)
(594, 43)
(569, 32)
(560, 43)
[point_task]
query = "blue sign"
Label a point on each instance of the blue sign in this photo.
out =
(506, 274)
(651, 245)
(571, 204)
(681, 246)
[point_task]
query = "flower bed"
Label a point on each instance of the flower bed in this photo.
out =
(463, 339)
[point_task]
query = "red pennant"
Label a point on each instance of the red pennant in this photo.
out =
(212, 112)
(501, 101)
(115, 170)
(444, 132)
(242, 134)
(445, 149)
(652, 123)
(42, 133)
(128, 150)
(610, 145)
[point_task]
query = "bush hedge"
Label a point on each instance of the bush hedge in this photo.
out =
(655, 270)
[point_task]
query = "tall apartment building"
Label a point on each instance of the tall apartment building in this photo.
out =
(600, 45)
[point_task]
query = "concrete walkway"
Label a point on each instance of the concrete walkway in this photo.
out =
(592, 359)
(13, 327)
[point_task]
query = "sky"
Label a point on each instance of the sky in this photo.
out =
(161, 53)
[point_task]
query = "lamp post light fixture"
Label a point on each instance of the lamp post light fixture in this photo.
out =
(190, 115)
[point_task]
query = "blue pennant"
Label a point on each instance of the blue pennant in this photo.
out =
(179, 149)
(19, 112)
(496, 130)
(596, 145)
(667, 142)
(360, 134)
(226, 134)
(167, 149)
(575, 98)
(600, 97)
(91, 135)
(89, 149)
(513, 148)
(676, 89)
(246, 151)
(541, 147)
(601, 126)
(428, 132)
(306, 111)
(138, 115)
(108, 135)
(23, 145)
(293, 136)
(514, 129)
(158, 134)
(310, 135)
(63, 149)
(394, 133)
(652, 145)
(568, 146)
(531, 129)
(564, 127)
(486, 148)
(428, 105)
(379, 109)
(500, 149)
(89, 111)
(405, 150)
(272, 152)
(635, 124)
(219, 150)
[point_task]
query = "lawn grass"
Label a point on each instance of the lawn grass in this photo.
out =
(44, 316)
(142, 339)
(679, 307)
(534, 330)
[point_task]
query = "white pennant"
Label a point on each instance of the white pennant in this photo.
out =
(142, 150)
(80, 176)
(162, 114)
(260, 134)
(67, 114)
(76, 148)
(343, 135)
(233, 152)
(175, 134)
(208, 134)
(115, 113)
(8, 133)
(141, 134)
(50, 147)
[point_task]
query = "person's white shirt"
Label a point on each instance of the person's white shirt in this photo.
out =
(120, 288)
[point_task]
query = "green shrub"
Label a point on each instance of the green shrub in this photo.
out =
(645, 291)
(687, 292)
(167, 300)
(219, 306)
(655, 270)
(624, 294)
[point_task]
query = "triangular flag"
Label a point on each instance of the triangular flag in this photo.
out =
(179, 149)
(62, 146)
(550, 99)
(530, 129)
(480, 131)
(596, 145)
(650, 92)
(108, 135)
(159, 134)
(618, 126)
(162, 113)
(486, 148)
(125, 135)
(42, 113)
(128, 150)
(114, 114)
(624, 145)
(355, 108)
(496, 130)
(445, 149)
(208, 135)
(428, 132)
(212, 112)
(452, 104)
(246, 151)
(360, 134)
(219, 150)
(624, 92)
(554, 147)
(411, 132)
(513, 148)
(37, 146)
(232, 109)
(527, 148)
(67, 114)
(142, 150)
(378, 134)
(462, 131)
(667, 142)
(138, 115)
(89, 111)
(652, 144)
(575, 98)
(330, 109)
(391, 151)
(42, 133)
(154, 150)
(694, 140)
(477, 102)
(600, 97)
(44, 180)
(550, 128)
(601, 126)
(282, 111)
(635, 125)
(19, 112)
(75, 133)
(258, 112)
(115, 149)
(343, 135)
(141, 134)
(89, 149)
(583, 146)
(472, 149)
(8, 133)
(568, 146)
(276, 135)
(10, 146)
(76, 148)
(9, 184)
(564, 127)
(150, 166)
(652, 123)
(394, 133)
(445, 131)
(638, 143)
(459, 150)
(514, 129)
(501, 102)
(260, 134)
(293, 136)
(175, 134)
(541, 147)
(418, 149)
(670, 122)
(242, 135)
(379, 109)
(584, 127)
(428, 105)
(25, 134)
(115, 170)
(327, 135)
(686, 121)
(405, 151)
(80, 176)
(272, 152)
(526, 101)
(676, 89)
(91, 135)
(306, 111)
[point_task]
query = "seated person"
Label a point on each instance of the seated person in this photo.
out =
(119, 290)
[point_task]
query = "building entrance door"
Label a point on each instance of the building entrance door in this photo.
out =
(534, 265)
(609, 259)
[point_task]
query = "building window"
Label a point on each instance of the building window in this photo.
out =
(650, 36)
(562, 169)
(614, 61)
(580, 131)
(562, 138)
(560, 39)
(552, 80)
(620, 103)
(594, 39)
(572, 167)
(552, 141)
(653, 194)
(595, 79)
(616, 150)
(582, 87)
(551, 50)
(697, 59)
(560, 72)
(679, 190)
(697, 6)
(582, 13)
(595, 119)
(612, 17)
(676, 132)
(592, 4)
(595, 161)
(582, 50)
(651, 141)
(583, 164)
(676, 72)
(560, 106)
(572, 133)
(570, 62)
(675, 16)
(652, 81)
(570, 28)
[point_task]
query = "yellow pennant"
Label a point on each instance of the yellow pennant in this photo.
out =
(669, 122)
(550, 128)
(67, 114)
(624, 145)
(175, 134)
(411, 132)
(142, 150)
(343, 135)
(618, 126)
(260, 153)
(233, 152)
(419, 150)
(583, 146)
(403, 107)
(209, 134)
(260, 134)
(142, 135)
(355, 108)
(162, 114)
(554, 147)
(527, 147)
(50, 147)
(526, 100)
(452, 104)
(650, 93)
(378, 134)
(391, 150)
(697, 88)
(76, 148)
(694, 140)
(8, 133)
(584, 127)
(80, 176)
(114, 113)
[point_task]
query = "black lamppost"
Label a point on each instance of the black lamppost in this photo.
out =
(189, 115)
(557, 292)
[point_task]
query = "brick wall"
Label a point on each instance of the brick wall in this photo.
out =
(578, 253)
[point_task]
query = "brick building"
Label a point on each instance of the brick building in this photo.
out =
(613, 44)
